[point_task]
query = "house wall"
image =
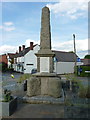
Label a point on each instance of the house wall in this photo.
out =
(3, 58)
(19, 60)
(30, 60)
(15, 64)
(9, 64)
(14, 67)
(64, 67)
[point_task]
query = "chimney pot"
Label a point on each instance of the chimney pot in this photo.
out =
(19, 48)
(23, 47)
(16, 52)
(31, 45)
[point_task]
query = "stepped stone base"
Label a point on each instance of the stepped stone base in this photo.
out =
(43, 100)
(44, 84)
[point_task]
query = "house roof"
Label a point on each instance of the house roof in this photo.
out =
(60, 55)
(11, 55)
(65, 56)
(2, 55)
(23, 52)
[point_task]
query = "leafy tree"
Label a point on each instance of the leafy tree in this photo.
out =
(87, 57)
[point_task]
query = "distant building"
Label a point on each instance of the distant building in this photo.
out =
(3, 59)
(7, 59)
(65, 62)
(10, 59)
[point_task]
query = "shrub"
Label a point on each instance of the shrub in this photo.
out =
(84, 91)
(84, 68)
(87, 57)
(67, 77)
(23, 77)
(7, 96)
(88, 92)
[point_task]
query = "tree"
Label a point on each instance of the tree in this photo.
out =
(3, 66)
(87, 57)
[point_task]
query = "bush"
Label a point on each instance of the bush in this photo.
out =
(84, 92)
(23, 77)
(68, 77)
(84, 68)
(88, 92)
(10, 69)
(7, 96)
(87, 57)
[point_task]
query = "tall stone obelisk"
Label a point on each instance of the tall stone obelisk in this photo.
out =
(45, 55)
(45, 37)
(44, 82)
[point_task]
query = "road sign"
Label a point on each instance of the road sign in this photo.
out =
(55, 59)
(78, 60)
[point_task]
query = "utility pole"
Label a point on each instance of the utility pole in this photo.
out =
(74, 49)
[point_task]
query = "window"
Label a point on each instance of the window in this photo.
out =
(29, 64)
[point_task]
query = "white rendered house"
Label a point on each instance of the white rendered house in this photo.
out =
(30, 60)
(26, 60)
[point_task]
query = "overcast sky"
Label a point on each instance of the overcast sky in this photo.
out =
(21, 23)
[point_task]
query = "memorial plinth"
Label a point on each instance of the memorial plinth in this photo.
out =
(45, 82)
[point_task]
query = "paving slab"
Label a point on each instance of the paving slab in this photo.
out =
(39, 111)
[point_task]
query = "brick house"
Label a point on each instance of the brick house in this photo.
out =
(3, 59)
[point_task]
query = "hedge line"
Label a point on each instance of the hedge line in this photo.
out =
(83, 73)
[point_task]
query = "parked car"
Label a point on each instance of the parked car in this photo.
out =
(33, 71)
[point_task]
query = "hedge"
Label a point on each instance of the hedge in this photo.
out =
(83, 73)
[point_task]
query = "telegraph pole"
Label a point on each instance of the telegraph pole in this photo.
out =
(74, 49)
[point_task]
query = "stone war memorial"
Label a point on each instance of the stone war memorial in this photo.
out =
(45, 85)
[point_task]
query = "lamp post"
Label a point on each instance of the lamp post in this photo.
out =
(74, 50)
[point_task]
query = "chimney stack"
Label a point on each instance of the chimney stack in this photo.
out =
(19, 48)
(16, 52)
(23, 47)
(31, 45)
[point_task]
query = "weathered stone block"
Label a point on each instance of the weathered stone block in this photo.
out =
(34, 86)
(44, 86)
(54, 87)
(51, 86)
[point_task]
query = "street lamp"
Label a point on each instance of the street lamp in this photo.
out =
(74, 49)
